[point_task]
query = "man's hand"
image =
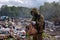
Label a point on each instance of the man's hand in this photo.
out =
(33, 22)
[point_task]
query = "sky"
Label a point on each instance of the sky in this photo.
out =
(25, 3)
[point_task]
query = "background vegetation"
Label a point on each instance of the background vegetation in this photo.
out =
(49, 10)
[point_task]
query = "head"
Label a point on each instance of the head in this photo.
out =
(34, 12)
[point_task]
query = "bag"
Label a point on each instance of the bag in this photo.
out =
(31, 30)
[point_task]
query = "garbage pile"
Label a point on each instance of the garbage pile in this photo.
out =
(11, 28)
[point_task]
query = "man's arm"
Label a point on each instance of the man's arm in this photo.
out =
(41, 20)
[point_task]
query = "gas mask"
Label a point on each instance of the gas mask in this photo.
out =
(34, 14)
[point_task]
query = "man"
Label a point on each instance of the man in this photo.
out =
(39, 19)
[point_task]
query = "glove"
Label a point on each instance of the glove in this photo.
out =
(33, 22)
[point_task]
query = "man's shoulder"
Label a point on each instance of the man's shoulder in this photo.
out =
(40, 15)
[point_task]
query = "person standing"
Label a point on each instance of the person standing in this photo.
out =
(39, 19)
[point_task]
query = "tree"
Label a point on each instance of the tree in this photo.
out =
(50, 10)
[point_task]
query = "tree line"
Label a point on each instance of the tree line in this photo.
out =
(14, 11)
(50, 11)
